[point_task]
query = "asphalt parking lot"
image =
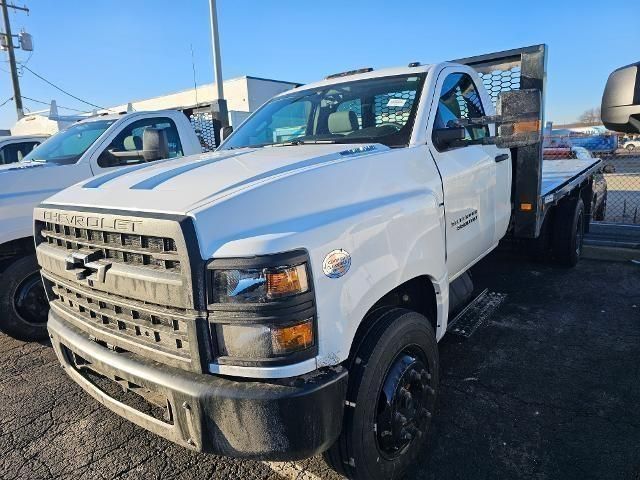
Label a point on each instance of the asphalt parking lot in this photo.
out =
(547, 388)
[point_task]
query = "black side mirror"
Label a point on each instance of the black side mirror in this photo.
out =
(226, 131)
(445, 138)
(620, 109)
(155, 145)
(520, 112)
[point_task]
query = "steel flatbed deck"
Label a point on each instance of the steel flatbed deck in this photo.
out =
(559, 177)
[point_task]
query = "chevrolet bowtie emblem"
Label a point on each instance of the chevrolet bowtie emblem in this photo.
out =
(88, 263)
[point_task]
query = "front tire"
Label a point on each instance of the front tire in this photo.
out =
(23, 302)
(631, 147)
(393, 385)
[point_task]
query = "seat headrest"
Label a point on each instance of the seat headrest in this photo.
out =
(132, 143)
(343, 122)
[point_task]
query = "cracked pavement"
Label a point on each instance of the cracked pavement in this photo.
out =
(547, 388)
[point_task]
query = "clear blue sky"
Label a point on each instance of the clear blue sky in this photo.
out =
(111, 52)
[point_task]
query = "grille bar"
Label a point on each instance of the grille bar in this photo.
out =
(142, 250)
(160, 329)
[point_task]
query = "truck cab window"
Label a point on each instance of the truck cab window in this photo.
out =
(378, 110)
(460, 100)
(127, 147)
(15, 152)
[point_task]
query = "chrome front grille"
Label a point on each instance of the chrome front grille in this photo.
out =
(159, 328)
(128, 248)
(125, 281)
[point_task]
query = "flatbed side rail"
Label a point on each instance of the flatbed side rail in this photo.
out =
(520, 68)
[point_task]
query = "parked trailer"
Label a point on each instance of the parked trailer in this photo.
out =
(296, 288)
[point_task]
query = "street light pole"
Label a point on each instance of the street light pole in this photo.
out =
(12, 61)
(219, 104)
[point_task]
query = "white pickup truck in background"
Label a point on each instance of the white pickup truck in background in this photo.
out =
(15, 147)
(87, 148)
(284, 295)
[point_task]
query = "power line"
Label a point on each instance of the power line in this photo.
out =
(63, 90)
(6, 101)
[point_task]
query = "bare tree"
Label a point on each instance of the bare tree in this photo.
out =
(591, 116)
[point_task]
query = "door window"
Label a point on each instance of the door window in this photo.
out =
(127, 148)
(460, 100)
(15, 152)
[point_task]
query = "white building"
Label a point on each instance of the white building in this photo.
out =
(243, 94)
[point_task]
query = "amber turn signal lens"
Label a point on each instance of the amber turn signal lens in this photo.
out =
(526, 207)
(527, 126)
(287, 281)
(293, 338)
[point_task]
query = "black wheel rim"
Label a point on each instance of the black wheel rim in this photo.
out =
(30, 300)
(405, 403)
(579, 234)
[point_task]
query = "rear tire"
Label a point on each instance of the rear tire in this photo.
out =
(569, 232)
(631, 147)
(23, 303)
(393, 385)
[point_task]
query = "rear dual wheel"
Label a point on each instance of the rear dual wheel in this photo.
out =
(568, 232)
(393, 384)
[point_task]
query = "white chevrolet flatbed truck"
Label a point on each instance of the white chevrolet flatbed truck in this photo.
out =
(90, 147)
(284, 295)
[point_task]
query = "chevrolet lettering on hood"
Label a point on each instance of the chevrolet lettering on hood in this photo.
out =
(92, 221)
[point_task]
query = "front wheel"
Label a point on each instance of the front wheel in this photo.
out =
(23, 302)
(631, 147)
(393, 384)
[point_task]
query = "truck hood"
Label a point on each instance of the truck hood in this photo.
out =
(183, 185)
(19, 166)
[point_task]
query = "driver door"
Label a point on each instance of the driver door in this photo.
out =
(468, 172)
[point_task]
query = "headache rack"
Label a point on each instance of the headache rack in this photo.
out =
(519, 69)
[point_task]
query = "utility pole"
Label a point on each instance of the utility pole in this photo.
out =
(12, 57)
(219, 105)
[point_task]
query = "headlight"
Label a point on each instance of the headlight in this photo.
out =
(262, 309)
(264, 341)
(259, 285)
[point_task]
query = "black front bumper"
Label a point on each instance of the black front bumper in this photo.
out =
(280, 419)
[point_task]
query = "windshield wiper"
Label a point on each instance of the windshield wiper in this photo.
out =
(301, 142)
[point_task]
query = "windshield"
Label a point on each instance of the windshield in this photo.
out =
(68, 146)
(380, 110)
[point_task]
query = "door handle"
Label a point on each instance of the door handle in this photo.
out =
(502, 157)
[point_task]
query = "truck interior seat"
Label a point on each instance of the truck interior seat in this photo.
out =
(132, 142)
(343, 122)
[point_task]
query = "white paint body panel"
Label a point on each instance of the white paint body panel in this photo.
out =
(24, 185)
(384, 206)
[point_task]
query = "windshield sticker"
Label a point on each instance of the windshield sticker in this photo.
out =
(396, 102)
(336, 263)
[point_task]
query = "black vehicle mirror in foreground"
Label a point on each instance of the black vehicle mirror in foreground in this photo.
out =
(620, 110)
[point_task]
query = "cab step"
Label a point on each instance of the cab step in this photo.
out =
(476, 313)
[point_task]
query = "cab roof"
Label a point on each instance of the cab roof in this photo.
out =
(383, 72)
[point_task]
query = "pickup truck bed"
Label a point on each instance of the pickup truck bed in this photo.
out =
(560, 176)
